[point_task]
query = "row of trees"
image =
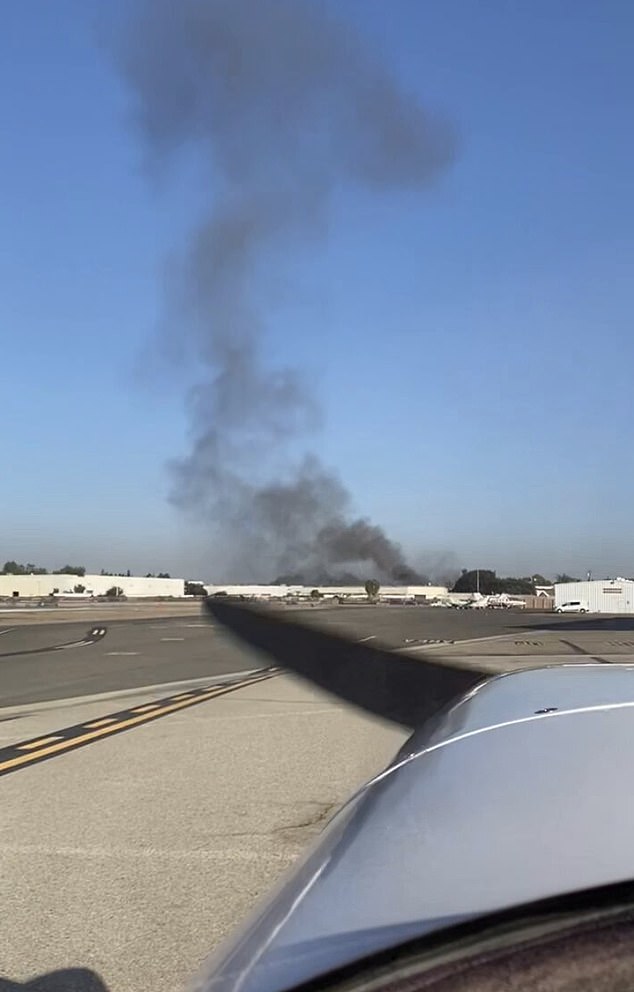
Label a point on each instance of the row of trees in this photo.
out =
(487, 582)
(128, 573)
(16, 568)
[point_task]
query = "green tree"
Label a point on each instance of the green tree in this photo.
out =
(315, 594)
(195, 589)
(539, 580)
(12, 568)
(114, 592)
(79, 588)
(15, 568)
(70, 570)
(478, 579)
(487, 582)
(564, 577)
(372, 588)
(517, 587)
(163, 575)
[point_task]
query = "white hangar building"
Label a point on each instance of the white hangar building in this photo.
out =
(598, 595)
(34, 586)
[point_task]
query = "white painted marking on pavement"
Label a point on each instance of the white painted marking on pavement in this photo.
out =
(121, 653)
(370, 637)
(454, 644)
(172, 638)
(7, 630)
(426, 647)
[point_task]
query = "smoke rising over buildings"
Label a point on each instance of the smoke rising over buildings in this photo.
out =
(281, 105)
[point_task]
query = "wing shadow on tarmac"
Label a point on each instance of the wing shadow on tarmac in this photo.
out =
(583, 622)
(64, 980)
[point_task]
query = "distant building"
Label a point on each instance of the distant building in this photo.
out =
(598, 595)
(133, 586)
(272, 592)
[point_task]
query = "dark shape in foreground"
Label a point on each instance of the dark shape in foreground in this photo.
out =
(400, 689)
(65, 980)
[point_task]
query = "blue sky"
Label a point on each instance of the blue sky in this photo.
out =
(472, 344)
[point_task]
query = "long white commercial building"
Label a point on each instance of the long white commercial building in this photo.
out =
(328, 592)
(136, 586)
(597, 595)
(40, 586)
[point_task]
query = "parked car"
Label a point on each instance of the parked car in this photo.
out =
(575, 606)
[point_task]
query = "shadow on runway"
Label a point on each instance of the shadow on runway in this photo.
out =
(584, 622)
(92, 636)
(65, 980)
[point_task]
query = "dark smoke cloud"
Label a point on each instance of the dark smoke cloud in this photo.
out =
(282, 106)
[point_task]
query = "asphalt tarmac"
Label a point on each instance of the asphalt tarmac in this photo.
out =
(35, 664)
(136, 653)
(129, 858)
(397, 626)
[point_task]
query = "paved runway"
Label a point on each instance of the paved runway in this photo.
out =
(396, 626)
(132, 654)
(136, 653)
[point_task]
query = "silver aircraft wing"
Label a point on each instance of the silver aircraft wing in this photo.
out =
(516, 792)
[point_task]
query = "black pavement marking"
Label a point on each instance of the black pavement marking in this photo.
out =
(56, 742)
(579, 650)
(92, 636)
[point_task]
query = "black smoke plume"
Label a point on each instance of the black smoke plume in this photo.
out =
(281, 105)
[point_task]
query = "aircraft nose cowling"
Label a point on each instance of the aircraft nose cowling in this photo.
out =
(495, 815)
